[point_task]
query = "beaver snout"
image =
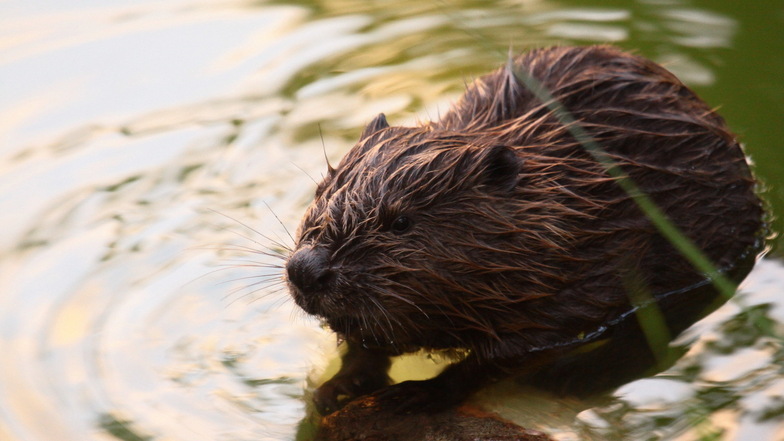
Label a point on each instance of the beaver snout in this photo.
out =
(309, 273)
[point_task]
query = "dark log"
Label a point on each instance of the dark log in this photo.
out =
(363, 419)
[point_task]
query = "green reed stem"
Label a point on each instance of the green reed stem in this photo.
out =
(692, 253)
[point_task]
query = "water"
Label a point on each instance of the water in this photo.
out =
(141, 140)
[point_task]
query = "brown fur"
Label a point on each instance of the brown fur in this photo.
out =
(519, 240)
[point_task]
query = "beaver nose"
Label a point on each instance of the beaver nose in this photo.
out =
(308, 269)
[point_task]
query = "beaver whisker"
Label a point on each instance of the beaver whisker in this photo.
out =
(280, 301)
(410, 289)
(280, 222)
(263, 277)
(387, 331)
(274, 250)
(274, 289)
(399, 323)
(250, 264)
(255, 231)
(391, 293)
(265, 282)
(269, 252)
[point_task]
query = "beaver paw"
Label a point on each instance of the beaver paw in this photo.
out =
(428, 396)
(340, 389)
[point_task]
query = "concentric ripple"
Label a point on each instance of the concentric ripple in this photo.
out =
(156, 157)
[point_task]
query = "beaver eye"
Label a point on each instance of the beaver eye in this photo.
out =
(401, 225)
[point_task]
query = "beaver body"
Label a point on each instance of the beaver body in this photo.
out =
(496, 232)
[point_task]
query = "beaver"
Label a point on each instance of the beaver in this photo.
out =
(495, 233)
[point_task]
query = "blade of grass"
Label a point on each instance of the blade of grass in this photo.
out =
(684, 245)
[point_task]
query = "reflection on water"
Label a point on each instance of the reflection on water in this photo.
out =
(145, 147)
(728, 386)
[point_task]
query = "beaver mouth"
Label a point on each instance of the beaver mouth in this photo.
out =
(351, 323)
(347, 315)
(329, 306)
(344, 324)
(311, 302)
(317, 305)
(368, 331)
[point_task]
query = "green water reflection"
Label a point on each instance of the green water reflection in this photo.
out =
(126, 125)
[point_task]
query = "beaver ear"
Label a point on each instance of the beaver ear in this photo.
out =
(501, 167)
(378, 123)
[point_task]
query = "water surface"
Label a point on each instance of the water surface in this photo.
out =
(146, 145)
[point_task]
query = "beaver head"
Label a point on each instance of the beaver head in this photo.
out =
(418, 239)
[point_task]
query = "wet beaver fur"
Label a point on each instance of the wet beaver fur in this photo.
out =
(495, 232)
